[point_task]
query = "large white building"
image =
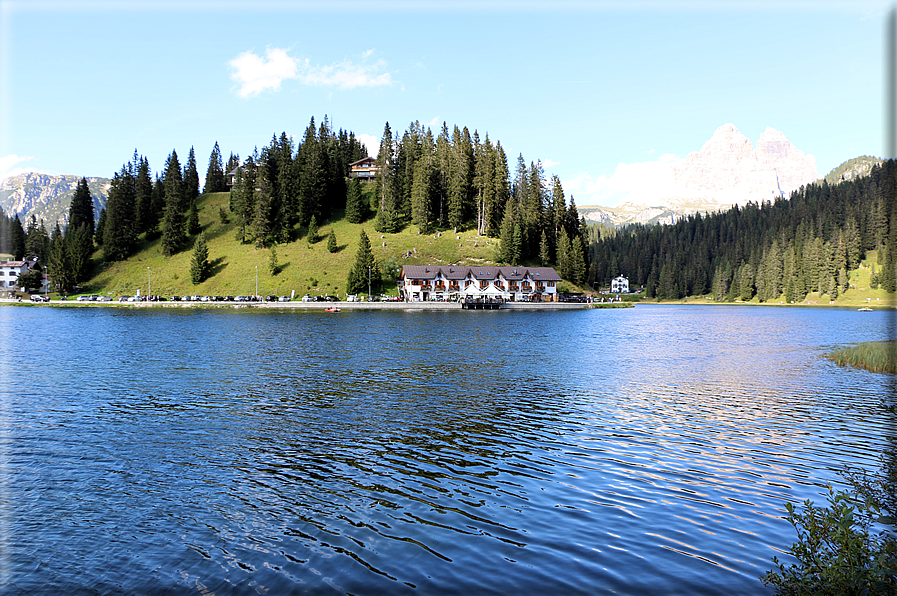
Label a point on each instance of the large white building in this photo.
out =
(620, 284)
(418, 283)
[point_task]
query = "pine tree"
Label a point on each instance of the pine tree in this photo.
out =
(505, 253)
(78, 245)
(173, 233)
(199, 263)
(313, 230)
(193, 227)
(577, 262)
(356, 206)
(101, 226)
(273, 266)
(387, 214)
(331, 242)
(215, 179)
(421, 188)
(146, 218)
(81, 207)
(191, 179)
(60, 267)
(544, 250)
(365, 266)
(119, 233)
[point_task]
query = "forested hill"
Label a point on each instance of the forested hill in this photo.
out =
(785, 249)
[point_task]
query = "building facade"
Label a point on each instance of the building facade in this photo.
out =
(420, 283)
(620, 285)
(365, 169)
(11, 270)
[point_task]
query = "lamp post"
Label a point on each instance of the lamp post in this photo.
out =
(46, 287)
(256, 282)
(149, 278)
(369, 282)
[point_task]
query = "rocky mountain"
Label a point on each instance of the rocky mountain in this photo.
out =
(727, 171)
(852, 168)
(47, 197)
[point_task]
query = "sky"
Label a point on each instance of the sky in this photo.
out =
(595, 90)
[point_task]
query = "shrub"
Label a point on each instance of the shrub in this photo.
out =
(847, 547)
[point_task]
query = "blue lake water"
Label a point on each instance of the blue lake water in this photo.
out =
(241, 451)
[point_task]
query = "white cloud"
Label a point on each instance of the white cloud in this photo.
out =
(371, 142)
(641, 183)
(550, 163)
(256, 74)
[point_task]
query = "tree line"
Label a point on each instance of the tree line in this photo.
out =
(773, 250)
(461, 181)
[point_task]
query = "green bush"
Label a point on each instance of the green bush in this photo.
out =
(847, 547)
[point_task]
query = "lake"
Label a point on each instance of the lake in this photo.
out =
(241, 451)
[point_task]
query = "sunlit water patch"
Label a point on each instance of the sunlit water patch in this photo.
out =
(647, 450)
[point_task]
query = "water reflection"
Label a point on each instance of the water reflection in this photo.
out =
(647, 450)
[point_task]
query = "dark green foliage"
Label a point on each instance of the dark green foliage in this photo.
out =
(365, 268)
(101, 227)
(273, 266)
(199, 263)
(16, 239)
(357, 209)
(173, 229)
(847, 546)
(37, 241)
(119, 229)
(331, 241)
(191, 179)
(222, 215)
(193, 227)
(312, 236)
(215, 180)
(81, 207)
(79, 247)
(779, 251)
(388, 219)
(31, 280)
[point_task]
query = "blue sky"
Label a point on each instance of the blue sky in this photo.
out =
(581, 86)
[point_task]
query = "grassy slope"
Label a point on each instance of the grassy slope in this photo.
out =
(303, 268)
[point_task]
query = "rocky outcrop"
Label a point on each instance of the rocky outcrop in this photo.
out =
(47, 197)
(728, 170)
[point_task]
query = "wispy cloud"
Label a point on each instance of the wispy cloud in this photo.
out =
(255, 73)
(550, 163)
(10, 166)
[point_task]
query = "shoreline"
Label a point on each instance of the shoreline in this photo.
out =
(298, 305)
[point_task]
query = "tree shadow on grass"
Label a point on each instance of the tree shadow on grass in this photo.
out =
(279, 269)
(216, 266)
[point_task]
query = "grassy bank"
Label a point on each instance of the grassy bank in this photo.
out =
(302, 266)
(876, 356)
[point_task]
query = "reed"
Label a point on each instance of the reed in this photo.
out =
(876, 356)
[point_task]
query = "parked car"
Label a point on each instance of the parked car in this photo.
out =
(104, 299)
(270, 298)
(83, 298)
(351, 298)
(283, 299)
(39, 298)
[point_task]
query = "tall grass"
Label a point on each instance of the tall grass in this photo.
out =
(877, 356)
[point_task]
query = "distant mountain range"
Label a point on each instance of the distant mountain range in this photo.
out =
(47, 197)
(727, 171)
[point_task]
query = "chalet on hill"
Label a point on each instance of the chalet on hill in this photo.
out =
(365, 169)
(420, 283)
(620, 285)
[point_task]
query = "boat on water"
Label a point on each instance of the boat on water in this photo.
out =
(331, 309)
(865, 309)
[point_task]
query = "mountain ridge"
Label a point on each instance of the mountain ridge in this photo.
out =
(47, 197)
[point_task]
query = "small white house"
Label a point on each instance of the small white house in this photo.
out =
(11, 270)
(620, 285)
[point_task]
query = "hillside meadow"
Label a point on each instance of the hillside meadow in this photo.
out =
(302, 266)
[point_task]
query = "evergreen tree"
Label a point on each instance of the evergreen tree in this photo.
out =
(101, 227)
(78, 246)
(356, 205)
(387, 214)
(215, 179)
(173, 230)
(146, 217)
(193, 227)
(365, 266)
(199, 264)
(191, 179)
(505, 253)
(313, 230)
(544, 250)
(421, 189)
(60, 267)
(119, 233)
(331, 241)
(81, 207)
(577, 262)
(273, 266)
